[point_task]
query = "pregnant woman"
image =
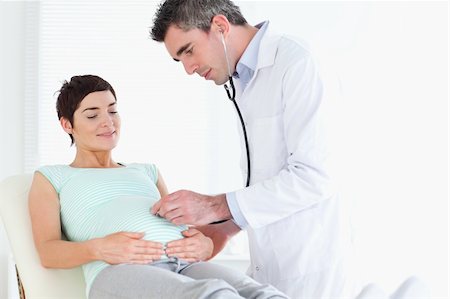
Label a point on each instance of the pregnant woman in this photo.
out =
(94, 213)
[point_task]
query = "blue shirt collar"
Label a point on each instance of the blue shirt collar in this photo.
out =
(246, 66)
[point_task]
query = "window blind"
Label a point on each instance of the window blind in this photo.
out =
(31, 102)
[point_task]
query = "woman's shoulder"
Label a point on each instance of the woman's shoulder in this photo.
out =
(55, 169)
(55, 174)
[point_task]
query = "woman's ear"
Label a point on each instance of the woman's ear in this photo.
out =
(66, 125)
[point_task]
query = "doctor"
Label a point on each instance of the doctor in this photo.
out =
(297, 236)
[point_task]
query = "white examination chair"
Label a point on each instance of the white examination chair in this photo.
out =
(37, 282)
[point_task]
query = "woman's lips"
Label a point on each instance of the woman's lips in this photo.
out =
(108, 134)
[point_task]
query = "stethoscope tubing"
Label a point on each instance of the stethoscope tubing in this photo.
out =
(232, 97)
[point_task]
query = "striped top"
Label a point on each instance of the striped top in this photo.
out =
(96, 202)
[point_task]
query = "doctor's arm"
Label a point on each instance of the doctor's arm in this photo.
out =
(54, 252)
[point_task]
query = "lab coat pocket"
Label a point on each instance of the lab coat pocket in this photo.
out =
(268, 147)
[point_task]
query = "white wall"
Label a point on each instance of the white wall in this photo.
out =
(12, 23)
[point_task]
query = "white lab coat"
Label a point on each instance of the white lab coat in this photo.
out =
(298, 239)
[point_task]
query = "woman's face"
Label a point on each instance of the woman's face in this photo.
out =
(96, 122)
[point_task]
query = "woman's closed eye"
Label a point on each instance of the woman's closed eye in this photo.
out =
(95, 115)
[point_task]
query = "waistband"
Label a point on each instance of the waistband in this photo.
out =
(172, 263)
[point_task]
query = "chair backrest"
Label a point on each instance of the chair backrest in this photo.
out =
(38, 282)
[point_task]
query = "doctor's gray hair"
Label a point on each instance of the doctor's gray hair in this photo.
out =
(190, 14)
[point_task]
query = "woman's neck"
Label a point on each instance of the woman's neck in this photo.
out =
(94, 160)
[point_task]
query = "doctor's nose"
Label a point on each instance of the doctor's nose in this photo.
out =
(190, 68)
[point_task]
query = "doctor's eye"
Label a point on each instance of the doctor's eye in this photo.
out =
(189, 51)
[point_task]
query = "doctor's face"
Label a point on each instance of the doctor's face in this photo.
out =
(200, 52)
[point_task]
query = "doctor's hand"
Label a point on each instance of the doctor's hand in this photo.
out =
(194, 248)
(187, 207)
(126, 247)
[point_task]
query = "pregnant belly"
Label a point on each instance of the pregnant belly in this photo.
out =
(132, 214)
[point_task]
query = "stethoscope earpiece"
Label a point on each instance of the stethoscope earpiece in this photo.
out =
(226, 53)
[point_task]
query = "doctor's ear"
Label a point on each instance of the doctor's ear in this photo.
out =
(66, 125)
(220, 24)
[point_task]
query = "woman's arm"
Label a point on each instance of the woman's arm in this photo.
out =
(161, 185)
(45, 219)
(54, 252)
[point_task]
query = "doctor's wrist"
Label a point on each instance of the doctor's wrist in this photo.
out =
(220, 208)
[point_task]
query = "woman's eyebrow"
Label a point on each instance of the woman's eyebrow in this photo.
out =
(96, 108)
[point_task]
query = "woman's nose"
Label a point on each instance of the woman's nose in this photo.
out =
(107, 121)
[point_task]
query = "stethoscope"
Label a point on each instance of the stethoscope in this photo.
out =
(231, 93)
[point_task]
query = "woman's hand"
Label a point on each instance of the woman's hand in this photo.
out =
(195, 247)
(220, 234)
(127, 247)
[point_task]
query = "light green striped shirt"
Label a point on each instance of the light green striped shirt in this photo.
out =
(96, 202)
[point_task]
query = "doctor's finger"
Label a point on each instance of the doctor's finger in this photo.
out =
(155, 208)
(168, 207)
(170, 197)
(172, 215)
